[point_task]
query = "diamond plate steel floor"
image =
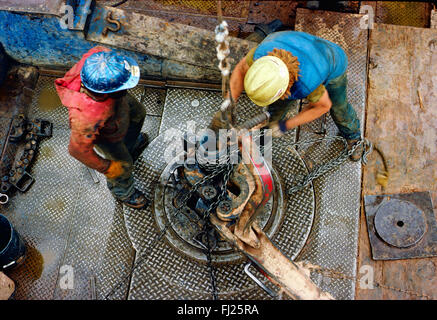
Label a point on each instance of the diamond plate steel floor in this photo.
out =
(67, 219)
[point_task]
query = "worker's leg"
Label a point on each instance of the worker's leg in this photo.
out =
(133, 139)
(122, 187)
(342, 113)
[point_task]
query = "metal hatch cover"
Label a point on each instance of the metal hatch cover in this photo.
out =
(401, 226)
(400, 223)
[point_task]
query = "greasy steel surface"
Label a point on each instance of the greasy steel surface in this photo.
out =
(165, 274)
(405, 13)
(202, 14)
(417, 241)
(67, 220)
(333, 241)
(183, 231)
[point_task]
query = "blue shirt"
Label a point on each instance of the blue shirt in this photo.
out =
(319, 60)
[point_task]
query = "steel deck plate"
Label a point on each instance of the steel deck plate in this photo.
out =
(67, 219)
(64, 217)
(333, 242)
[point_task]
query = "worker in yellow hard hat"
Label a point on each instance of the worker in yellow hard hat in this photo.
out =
(291, 65)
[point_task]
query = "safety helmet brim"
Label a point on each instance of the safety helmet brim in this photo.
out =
(130, 83)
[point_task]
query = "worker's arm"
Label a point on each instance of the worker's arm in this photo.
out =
(81, 148)
(314, 111)
(236, 81)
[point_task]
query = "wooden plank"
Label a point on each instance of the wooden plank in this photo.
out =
(157, 37)
(401, 60)
(7, 287)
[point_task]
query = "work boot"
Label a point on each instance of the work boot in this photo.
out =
(142, 142)
(263, 30)
(358, 153)
(137, 200)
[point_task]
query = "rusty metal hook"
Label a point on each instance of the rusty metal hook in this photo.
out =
(109, 19)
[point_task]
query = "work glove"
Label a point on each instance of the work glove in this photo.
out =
(278, 128)
(116, 169)
(219, 121)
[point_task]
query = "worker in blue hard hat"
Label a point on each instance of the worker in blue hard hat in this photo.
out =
(105, 120)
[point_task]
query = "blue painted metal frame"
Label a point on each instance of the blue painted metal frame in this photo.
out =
(41, 41)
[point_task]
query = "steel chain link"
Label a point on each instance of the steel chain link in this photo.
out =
(332, 164)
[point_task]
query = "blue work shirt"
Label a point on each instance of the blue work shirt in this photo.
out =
(319, 60)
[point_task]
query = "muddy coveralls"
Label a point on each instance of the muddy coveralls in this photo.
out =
(111, 127)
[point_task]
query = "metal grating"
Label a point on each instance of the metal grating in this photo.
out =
(405, 13)
(333, 241)
(231, 8)
(42, 217)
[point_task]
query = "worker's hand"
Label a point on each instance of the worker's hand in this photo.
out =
(116, 169)
(218, 121)
(278, 128)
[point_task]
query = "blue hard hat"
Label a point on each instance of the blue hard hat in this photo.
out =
(106, 72)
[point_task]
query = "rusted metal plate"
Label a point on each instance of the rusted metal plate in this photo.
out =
(52, 7)
(401, 226)
(267, 11)
(405, 13)
(433, 19)
(157, 37)
(230, 8)
(400, 223)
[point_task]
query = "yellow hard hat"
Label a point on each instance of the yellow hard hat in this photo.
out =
(266, 80)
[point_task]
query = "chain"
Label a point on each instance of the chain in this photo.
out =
(227, 174)
(211, 269)
(221, 37)
(334, 163)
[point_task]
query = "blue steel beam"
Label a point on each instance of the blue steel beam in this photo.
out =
(41, 41)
